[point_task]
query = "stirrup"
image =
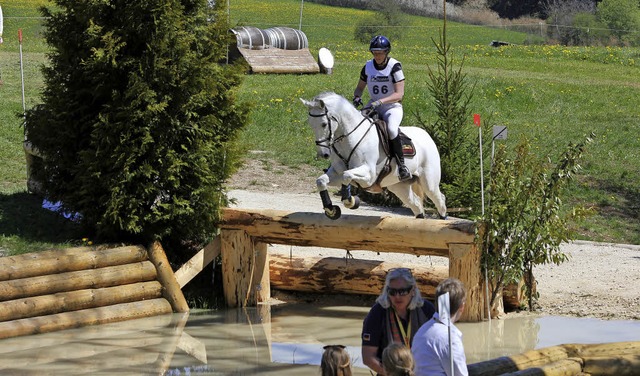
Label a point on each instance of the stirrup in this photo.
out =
(403, 173)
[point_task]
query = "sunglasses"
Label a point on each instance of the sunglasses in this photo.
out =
(333, 347)
(401, 292)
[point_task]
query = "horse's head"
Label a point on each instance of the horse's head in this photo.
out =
(323, 124)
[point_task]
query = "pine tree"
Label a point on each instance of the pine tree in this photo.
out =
(137, 116)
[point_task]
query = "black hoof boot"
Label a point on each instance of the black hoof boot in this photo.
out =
(403, 173)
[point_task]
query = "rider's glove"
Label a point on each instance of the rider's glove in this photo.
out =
(375, 104)
(357, 102)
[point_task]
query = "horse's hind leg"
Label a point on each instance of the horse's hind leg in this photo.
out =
(432, 191)
(404, 191)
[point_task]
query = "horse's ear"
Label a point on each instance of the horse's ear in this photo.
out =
(306, 103)
(313, 103)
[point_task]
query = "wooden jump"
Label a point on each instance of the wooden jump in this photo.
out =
(618, 358)
(245, 234)
(62, 289)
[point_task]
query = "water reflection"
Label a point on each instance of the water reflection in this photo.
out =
(281, 340)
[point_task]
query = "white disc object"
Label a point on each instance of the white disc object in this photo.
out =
(325, 58)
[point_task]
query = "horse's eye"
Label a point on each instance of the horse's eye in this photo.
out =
(324, 124)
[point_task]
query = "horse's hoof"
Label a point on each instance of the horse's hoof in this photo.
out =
(420, 216)
(352, 202)
(443, 217)
(333, 212)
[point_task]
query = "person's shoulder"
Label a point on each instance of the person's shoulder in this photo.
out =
(424, 328)
(428, 308)
(377, 308)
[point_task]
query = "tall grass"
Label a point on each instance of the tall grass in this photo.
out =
(552, 95)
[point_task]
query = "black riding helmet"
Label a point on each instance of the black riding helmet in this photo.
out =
(380, 43)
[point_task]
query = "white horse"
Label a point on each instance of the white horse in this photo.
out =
(350, 141)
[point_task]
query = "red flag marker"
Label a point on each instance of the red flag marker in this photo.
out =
(476, 119)
(20, 35)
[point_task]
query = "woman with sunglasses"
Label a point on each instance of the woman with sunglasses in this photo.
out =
(395, 318)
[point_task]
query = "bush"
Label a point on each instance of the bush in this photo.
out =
(524, 226)
(136, 116)
(586, 31)
(623, 18)
(388, 21)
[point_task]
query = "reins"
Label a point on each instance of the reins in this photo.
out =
(332, 142)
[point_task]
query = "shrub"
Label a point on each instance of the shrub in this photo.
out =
(622, 17)
(136, 116)
(524, 226)
(388, 20)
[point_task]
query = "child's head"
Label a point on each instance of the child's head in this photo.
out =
(335, 361)
(397, 360)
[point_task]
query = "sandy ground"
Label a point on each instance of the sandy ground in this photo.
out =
(600, 280)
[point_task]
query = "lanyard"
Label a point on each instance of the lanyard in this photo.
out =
(406, 337)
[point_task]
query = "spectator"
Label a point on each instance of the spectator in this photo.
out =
(430, 349)
(397, 360)
(395, 317)
(335, 361)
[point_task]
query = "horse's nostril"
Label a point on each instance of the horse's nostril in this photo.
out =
(326, 156)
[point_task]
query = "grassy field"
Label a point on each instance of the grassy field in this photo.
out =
(552, 95)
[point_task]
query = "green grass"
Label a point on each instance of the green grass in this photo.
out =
(552, 95)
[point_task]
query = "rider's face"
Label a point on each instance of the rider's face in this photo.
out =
(379, 56)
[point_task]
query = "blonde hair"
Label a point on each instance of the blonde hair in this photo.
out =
(335, 361)
(397, 360)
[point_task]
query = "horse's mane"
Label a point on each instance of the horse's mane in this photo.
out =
(336, 102)
(330, 98)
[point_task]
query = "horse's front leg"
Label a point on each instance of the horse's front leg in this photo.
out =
(361, 175)
(349, 201)
(332, 178)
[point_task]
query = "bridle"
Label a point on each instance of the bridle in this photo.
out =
(330, 142)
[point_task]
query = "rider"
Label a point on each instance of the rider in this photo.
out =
(384, 78)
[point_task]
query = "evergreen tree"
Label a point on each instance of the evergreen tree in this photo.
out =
(137, 116)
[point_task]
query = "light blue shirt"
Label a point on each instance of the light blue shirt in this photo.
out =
(430, 350)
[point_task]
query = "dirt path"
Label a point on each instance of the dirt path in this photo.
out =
(600, 280)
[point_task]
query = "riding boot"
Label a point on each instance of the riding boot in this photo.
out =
(396, 148)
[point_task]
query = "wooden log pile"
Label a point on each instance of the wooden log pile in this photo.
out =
(74, 287)
(618, 358)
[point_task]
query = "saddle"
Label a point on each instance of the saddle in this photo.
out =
(408, 150)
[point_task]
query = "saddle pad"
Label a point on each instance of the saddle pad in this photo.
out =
(408, 149)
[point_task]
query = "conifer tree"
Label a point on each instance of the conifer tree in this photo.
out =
(137, 116)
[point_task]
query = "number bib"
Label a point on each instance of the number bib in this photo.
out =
(380, 82)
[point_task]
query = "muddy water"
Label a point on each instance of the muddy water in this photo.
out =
(281, 340)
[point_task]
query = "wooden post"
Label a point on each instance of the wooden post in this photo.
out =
(245, 269)
(198, 262)
(464, 264)
(237, 254)
(171, 289)
(261, 286)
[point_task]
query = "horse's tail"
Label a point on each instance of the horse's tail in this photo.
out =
(417, 189)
